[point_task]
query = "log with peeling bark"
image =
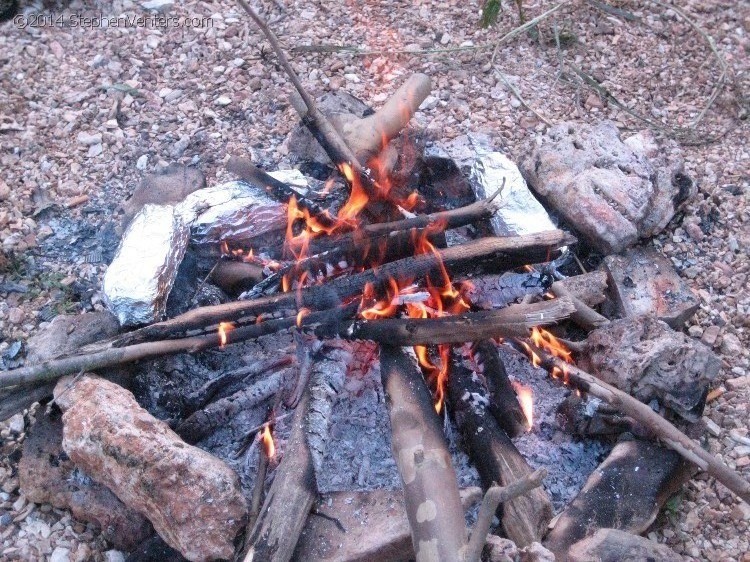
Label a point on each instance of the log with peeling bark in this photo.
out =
(326, 380)
(506, 322)
(524, 519)
(288, 500)
(625, 492)
(431, 495)
(659, 427)
(503, 402)
(488, 253)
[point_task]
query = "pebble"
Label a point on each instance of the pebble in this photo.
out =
(731, 345)
(16, 315)
(114, 556)
(710, 335)
(60, 554)
(223, 100)
(16, 423)
(738, 383)
(695, 331)
(142, 162)
(89, 139)
(94, 150)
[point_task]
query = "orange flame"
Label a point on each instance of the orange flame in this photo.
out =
(301, 315)
(526, 400)
(269, 447)
(224, 329)
(549, 343)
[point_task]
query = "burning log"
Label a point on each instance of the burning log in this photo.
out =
(513, 320)
(204, 422)
(471, 326)
(503, 403)
(289, 499)
(266, 452)
(525, 518)
(433, 504)
(625, 492)
(488, 253)
(661, 428)
(390, 234)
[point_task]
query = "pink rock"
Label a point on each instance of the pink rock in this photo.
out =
(193, 499)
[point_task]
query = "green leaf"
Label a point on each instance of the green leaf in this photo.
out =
(490, 12)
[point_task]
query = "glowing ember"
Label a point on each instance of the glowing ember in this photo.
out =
(269, 447)
(301, 315)
(224, 329)
(526, 400)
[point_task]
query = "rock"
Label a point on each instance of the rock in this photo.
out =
(612, 192)
(157, 4)
(535, 552)
(223, 100)
(170, 186)
(114, 556)
(625, 492)
(710, 335)
(16, 424)
(611, 545)
(60, 554)
(498, 549)
(738, 383)
(142, 162)
(47, 475)
(642, 356)
(15, 315)
(643, 281)
(89, 139)
(193, 499)
(731, 345)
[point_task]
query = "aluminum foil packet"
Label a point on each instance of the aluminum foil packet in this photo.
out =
(140, 277)
(231, 211)
(519, 212)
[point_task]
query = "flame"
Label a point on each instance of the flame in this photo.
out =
(301, 315)
(224, 329)
(269, 447)
(526, 400)
(546, 341)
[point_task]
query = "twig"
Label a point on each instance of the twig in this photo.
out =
(712, 44)
(521, 28)
(492, 499)
(659, 426)
(585, 316)
(518, 95)
(257, 497)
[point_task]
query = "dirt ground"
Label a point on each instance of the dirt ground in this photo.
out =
(87, 110)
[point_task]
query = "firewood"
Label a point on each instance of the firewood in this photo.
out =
(234, 276)
(326, 380)
(524, 519)
(433, 504)
(488, 253)
(492, 499)
(202, 423)
(585, 316)
(289, 498)
(625, 492)
(330, 249)
(661, 428)
(503, 403)
(591, 288)
(471, 326)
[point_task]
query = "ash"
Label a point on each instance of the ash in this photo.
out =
(569, 461)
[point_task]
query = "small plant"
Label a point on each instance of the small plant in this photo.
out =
(490, 13)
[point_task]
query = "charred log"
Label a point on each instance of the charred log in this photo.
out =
(523, 519)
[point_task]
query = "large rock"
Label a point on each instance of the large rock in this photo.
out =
(193, 499)
(613, 192)
(47, 475)
(170, 186)
(643, 281)
(611, 545)
(647, 359)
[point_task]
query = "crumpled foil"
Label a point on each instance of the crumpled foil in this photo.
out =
(520, 212)
(231, 211)
(138, 280)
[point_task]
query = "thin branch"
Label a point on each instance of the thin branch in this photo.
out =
(492, 499)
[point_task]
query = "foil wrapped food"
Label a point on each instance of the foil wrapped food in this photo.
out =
(234, 211)
(141, 275)
(520, 212)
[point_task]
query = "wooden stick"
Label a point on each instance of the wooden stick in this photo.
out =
(289, 499)
(492, 499)
(260, 480)
(433, 504)
(524, 520)
(661, 428)
(489, 253)
(585, 316)
(472, 326)
(504, 405)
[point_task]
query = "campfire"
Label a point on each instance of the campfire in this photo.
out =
(443, 301)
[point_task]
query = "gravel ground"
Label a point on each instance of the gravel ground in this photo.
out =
(85, 112)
